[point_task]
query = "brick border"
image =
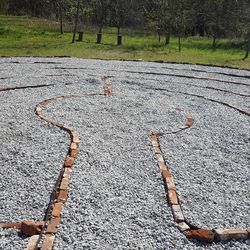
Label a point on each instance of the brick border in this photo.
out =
(190, 231)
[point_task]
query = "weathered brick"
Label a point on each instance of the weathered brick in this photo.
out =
(74, 153)
(162, 166)
(170, 183)
(62, 196)
(165, 174)
(157, 150)
(53, 225)
(159, 158)
(183, 226)
(32, 242)
(172, 197)
(8, 225)
(67, 172)
(75, 137)
(69, 162)
(29, 228)
(48, 242)
(177, 213)
(73, 146)
(64, 184)
(231, 234)
(203, 235)
(57, 209)
(189, 122)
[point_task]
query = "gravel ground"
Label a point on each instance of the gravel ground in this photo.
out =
(117, 198)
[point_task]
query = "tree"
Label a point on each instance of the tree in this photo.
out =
(119, 14)
(76, 21)
(99, 10)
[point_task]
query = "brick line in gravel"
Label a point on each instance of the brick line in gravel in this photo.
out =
(26, 87)
(190, 77)
(190, 231)
(59, 196)
(170, 68)
(244, 112)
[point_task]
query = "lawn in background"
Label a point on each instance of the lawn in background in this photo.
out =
(24, 36)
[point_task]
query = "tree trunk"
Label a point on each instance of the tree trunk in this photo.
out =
(159, 34)
(76, 20)
(179, 42)
(214, 42)
(247, 50)
(99, 36)
(167, 41)
(119, 36)
(61, 17)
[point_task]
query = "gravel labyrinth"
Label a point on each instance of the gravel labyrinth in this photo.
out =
(117, 199)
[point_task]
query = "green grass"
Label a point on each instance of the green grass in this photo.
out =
(24, 36)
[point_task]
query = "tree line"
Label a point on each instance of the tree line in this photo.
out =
(181, 18)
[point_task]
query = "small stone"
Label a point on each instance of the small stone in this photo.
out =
(231, 234)
(48, 242)
(172, 197)
(29, 228)
(177, 213)
(183, 226)
(32, 242)
(57, 209)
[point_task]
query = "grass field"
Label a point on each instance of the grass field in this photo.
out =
(24, 36)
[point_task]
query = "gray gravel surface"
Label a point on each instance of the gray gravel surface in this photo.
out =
(117, 198)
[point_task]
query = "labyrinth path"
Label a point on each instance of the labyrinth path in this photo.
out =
(123, 155)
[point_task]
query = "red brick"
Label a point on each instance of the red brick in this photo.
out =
(67, 172)
(183, 226)
(62, 195)
(57, 209)
(75, 137)
(172, 197)
(8, 225)
(74, 153)
(64, 184)
(53, 225)
(177, 213)
(32, 242)
(203, 235)
(165, 174)
(162, 166)
(231, 234)
(73, 146)
(69, 162)
(189, 122)
(48, 242)
(170, 183)
(157, 150)
(29, 228)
